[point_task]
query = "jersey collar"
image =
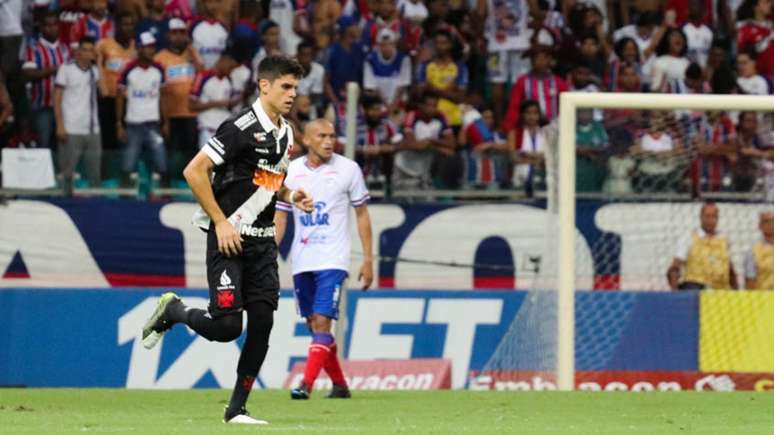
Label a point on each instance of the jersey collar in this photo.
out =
(266, 123)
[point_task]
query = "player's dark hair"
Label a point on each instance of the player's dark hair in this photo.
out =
(274, 67)
(48, 14)
(86, 40)
(746, 10)
(428, 94)
(123, 14)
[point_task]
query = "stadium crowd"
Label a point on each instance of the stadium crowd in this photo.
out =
(456, 94)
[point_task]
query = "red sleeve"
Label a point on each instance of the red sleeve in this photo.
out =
(744, 38)
(196, 87)
(77, 30)
(517, 94)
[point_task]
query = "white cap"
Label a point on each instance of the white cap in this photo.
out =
(147, 38)
(177, 24)
(386, 35)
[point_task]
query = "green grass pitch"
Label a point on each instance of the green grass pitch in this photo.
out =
(70, 411)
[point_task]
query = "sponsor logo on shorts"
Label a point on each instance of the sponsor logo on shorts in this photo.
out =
(251, 231)
(225, 298)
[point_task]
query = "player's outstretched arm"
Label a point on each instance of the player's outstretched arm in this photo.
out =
(197, 174)
(366, 275)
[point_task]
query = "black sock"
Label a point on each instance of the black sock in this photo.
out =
(244, 384)
(260, 319)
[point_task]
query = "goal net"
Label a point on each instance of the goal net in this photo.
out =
(626, 177)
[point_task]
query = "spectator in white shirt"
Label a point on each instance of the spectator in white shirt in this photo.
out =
(208, 35)
(213, 96)
(140, 86)
(75, 110)
(698, 35)
(671, 61)
(312, 84)
(748, 80)
(387, 70)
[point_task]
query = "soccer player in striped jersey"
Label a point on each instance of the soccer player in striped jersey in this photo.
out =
(320, 252)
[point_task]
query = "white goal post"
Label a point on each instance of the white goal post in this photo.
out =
(569, 102)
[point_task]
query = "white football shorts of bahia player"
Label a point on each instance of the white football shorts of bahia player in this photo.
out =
(321, 239)
(250, 155)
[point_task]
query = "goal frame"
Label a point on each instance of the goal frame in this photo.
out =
(569, 102)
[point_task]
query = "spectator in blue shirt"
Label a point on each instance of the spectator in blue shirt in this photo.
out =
(345, 60)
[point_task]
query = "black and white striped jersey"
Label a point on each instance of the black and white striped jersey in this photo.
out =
(251, 158)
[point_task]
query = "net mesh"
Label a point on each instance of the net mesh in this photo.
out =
(641, 180)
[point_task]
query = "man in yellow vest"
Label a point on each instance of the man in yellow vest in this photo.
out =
(703, 258)
(759, 261)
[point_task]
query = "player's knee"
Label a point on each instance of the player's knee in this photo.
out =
(320, 323)
(260, 318)
(230, 328)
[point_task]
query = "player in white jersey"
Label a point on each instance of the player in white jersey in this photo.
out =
(321, 246)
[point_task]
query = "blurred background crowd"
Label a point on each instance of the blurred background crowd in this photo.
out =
(455, 94)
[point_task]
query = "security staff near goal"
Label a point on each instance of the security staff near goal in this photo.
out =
(759, 261)
(703, 258)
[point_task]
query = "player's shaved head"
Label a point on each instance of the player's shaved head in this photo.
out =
(315, 125)
(319, 138)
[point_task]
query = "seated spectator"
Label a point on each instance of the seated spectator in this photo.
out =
(582, 79)
(591, 54)
(620, 164)
(212, 97)
(96, 24)
(716, 146)
(208, 35)
(630, 120)
(643, 33)
(626, 53)
(671, 60)
(426, 136)
(690, 122)
(529, 144)
(43, 58)
(590, 144)
(698, 35)
(659, 168)
(388, 71)
(540, 84)
(759, 260)
(75, 109)
(756, 156)
(446, 78)
(140, 86)
(755, 32)
(345, 60)
(312, 84)
(487, 154)
(376, 141)
(702, 259)
(748, 80)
